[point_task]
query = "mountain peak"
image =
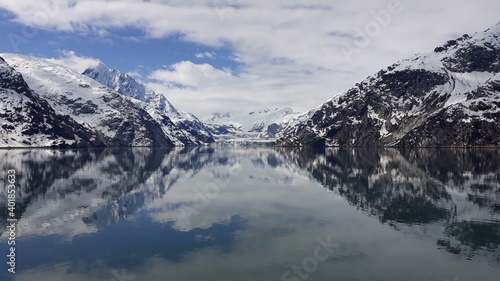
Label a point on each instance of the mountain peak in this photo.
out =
(182, 125)
(495, 29)
(117, 81)
(128, 86)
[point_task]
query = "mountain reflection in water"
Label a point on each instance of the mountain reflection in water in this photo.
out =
(214, 213)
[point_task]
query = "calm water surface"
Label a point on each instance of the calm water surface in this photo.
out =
(254, 214)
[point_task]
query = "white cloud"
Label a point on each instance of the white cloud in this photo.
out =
(295, 52)
(206, 55)
(135, 75)
(188, 74)
(204, 89)
(71, 60)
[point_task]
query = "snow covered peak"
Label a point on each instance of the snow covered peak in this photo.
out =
(491, 34)
(185, 126)
(476, 53)
(6, 70)
(128, 86)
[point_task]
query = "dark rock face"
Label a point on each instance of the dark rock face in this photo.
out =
(273, 129)
(135, 120)
(396, 84)
(471, 58)
(447, 98)
(197, 130)
(220, 129)
(80, 107)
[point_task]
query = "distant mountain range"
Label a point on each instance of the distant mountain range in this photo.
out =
(264, 123)
(450, 97)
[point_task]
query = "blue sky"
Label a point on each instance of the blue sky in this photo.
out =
(126, 49)
(238, 55)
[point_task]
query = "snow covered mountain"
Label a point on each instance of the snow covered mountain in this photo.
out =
(263, 123)
(450, 97)
(26, 119)
(100, 115)
(186, 128)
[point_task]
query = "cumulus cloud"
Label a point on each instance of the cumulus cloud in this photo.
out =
(203, 89)
(291, 49)
(188, 74)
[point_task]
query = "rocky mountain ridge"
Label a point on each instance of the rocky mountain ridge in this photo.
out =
(186, 127)
(450, 97)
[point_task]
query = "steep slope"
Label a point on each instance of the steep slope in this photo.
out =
(450, 97)
(184, 126)
(28, 120)
(117, 120)
(261, 123)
